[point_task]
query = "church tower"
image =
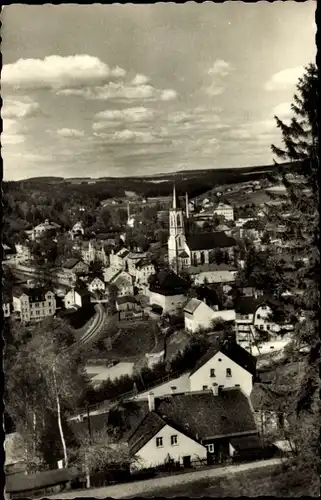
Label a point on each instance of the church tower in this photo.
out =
(176, 240)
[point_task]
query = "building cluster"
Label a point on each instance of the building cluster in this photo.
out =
(211, 412)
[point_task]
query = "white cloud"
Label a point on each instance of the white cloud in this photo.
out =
(168, 95)
(11, 133)
(70, 132)
(140, 79)
(218, 72)
(128, 136)
(58, 72)
(136, 114)
(221, 68)
(283, 110)
(19, 107)
(284, 79)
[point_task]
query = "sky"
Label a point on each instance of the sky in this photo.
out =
(123, 90)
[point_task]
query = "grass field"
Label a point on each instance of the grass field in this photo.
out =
(270, 481)
(240, 199)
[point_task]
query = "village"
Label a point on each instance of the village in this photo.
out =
(140, 311)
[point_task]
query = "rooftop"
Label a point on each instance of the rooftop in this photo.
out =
(70, 263)
(208, 241)
(167, 282)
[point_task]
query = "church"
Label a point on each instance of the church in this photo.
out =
(185, 250)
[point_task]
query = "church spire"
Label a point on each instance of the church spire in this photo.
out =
(174, 198)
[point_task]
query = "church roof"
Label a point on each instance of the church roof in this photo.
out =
(208, 241)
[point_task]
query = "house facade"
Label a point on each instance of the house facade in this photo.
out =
(46, 227)
(96, 284)
(124, 283)
(197, 314)
(76, 298)
(33, 304)
(224, 210)
(167, 290)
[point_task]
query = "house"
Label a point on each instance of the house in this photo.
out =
(225, 210)
(254, 312)
(118, 260)
(33, 304)
(197, 314)
(128, 308)
(47, 227)
(225, 364)
(212, 273)
(123, 281)
(143, 271)
(76, 297)
(76, 230)
(187, 428)
(23, 253)
(167, 290)
(96, 284)
(223, 227)
(75, 266)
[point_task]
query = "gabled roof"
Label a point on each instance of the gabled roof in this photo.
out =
(233, 351)
(146, 430)
(192, 305)
(208, 241)
(35, 294)
(243, 443)
(201, 415)
(248, 305)
(70, 263)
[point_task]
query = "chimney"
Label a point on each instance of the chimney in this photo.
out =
(151, 401)
(215, 389)
(187, 210)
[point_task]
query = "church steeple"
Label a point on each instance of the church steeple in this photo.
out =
(174, 198)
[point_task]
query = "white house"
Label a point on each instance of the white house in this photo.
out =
(23, 253)
(123, 282)
(212, 273)
(190, 427)
(224, 210)
(225, 365)
(75, 298)
(197, 314)
(96, 284)
(118, 260)
(167, 290)
(143, 271)
(42, 229)
(33, 304)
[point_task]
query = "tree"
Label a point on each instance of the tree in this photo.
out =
(44, 378)
(300, 146)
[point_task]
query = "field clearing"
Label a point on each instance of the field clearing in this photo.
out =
(257, 197)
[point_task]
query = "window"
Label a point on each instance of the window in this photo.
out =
(49, 303)
(174, 440)
(258, 316)
(205, 387)
(159, 442)
(228, 372)
(210, 448)
(220, 359)
(268, 327)
(261, 327)
(263, 307)
(212, 372)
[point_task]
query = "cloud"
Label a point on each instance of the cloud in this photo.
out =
(221, 68)
(58, 72)
(218, 73)
(70, 132)
(168, 95)
(140, 79)
(11, 133)
(135, 114)
(21, 107)
(283, 110)
(284, 79)
(128, 136)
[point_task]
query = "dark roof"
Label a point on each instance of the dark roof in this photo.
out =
(199, 415)
(248, 305)
(70, 263)
(168, 283)
(243, 443)
(207, 241)
(126, 416)
(23, 483)
(125, 299)
(210, 268)
(35, 294)
(147, 429)
(202, 415)
(232, 350)
(82, 291)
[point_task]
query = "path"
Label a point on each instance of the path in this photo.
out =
(127, 490)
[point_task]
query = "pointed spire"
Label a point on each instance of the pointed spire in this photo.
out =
(174, 197)
(128, 211)
(187, 210)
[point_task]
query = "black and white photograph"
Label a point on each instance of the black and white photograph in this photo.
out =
(160, 250)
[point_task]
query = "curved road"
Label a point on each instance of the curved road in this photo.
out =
(94, 329)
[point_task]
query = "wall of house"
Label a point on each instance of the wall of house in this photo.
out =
(239, 376)
(262, 322)
(225, 315)
(202, 317)
(169, 304)
(151, 456)
(214, 277)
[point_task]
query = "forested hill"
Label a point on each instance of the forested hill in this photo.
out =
(195, 182)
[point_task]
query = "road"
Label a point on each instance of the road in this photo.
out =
(94, 328)
(128, 490)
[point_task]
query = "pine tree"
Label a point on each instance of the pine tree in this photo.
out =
(301, 246)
